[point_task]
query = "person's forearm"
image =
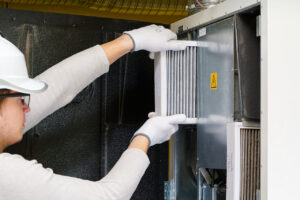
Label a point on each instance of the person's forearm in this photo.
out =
(117, 48)
(120, 183)
(140, 142)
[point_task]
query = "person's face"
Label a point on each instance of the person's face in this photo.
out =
(12, 119)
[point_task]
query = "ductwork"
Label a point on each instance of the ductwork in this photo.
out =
(198, 5)
(209, 3)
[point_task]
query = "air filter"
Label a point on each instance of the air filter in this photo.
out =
(175, 82)
(243, 162)
(250, 163)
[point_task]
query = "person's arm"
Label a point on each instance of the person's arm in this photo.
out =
(28, 180)
(118, 184)
(117, 48)
(140, 142)
(67, 78)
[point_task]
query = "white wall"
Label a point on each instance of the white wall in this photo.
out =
(280, 99)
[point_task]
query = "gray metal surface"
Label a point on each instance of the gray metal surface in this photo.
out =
(208, 16)
(215, 104)
(181, 82)
(207, 192)
(183, 164)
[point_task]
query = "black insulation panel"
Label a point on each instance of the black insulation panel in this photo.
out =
(249, 64)
(86, 137)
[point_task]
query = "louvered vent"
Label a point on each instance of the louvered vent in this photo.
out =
(250, 163)
(175, 82)
(181, 82)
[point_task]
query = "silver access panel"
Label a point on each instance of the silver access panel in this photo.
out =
(215, 92)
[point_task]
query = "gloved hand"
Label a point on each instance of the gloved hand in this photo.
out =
(160, 129)
(154, 38)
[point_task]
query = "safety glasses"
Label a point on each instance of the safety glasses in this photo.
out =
(25, 98)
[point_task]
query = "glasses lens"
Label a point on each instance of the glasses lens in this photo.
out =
(26, 100)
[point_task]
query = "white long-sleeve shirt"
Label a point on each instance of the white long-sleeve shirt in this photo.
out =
(21, 179)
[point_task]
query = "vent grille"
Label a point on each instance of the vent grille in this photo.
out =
(181, 82)
(250, 163)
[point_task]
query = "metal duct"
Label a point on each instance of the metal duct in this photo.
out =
(250, 163)
(195, 6)
(181, 82)
(209, 3)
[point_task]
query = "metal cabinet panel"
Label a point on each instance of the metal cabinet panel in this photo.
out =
(215, 92)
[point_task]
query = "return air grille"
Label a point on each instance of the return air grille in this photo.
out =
(250, 163)
(175, 82)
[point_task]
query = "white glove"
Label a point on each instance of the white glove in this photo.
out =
(160, 129)
(154, 38)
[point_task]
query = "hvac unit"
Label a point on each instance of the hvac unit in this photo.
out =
(215, 81)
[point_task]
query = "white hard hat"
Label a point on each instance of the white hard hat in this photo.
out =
(13, 70)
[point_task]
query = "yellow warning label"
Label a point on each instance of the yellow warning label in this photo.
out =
(214, 81)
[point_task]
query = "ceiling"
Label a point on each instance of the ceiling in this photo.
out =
(156, 11)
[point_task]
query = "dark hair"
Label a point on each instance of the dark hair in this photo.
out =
(4, 91)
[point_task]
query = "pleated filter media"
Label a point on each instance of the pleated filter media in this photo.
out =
(243, 162)
(175, 83)
(250, 163)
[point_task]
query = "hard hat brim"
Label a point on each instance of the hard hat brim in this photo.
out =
(24, 85)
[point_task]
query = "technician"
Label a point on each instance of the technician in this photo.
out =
(21, 179)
